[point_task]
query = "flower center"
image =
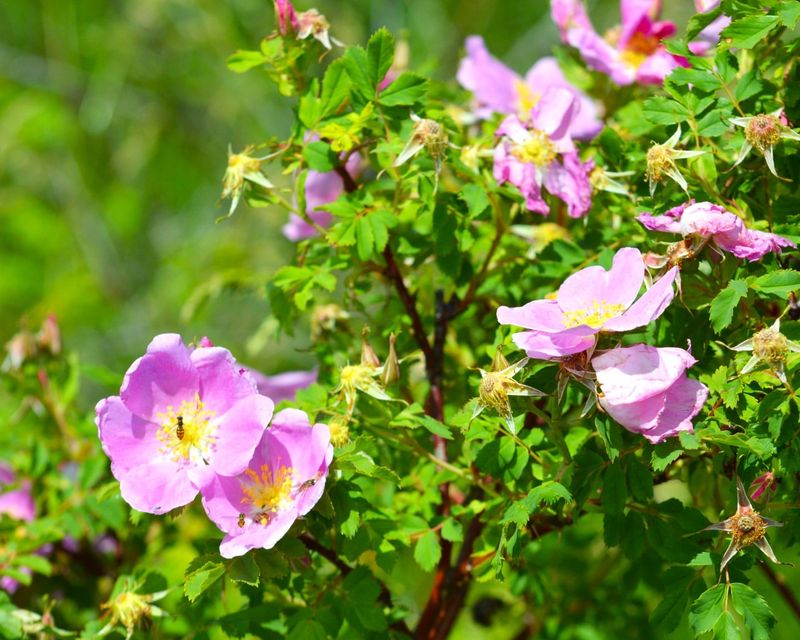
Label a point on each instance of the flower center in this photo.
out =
(538, 149)
(527, 99)
(763, 132)
(186, 430)
(771, 346)
(747, 528)
(659, 161)
(594, 316)
(268, 492)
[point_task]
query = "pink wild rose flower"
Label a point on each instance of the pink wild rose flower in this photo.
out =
(540, 153)
(645, 389)
(321, 188)
(283, 386)
(631, 52)
(498, 89)
(706, 221)
(588, 302)
(283, 481)
(182, 416)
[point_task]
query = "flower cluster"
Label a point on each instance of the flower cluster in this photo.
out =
(632, 52)
(189, 420)
(644, 388)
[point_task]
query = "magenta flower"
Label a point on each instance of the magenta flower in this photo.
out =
(588, 302)
(182, 416)
(498, 89)
(283, 481)
(321, 189)
(632, 52)
(528, 155)
(16, 503)
(285, 17)
(283, 386)
(710, 222)
(645, 389)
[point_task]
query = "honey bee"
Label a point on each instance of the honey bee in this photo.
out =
(179, 430)
(240, 522)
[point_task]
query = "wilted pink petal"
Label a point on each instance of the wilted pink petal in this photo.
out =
(646, 390)
(726, 229)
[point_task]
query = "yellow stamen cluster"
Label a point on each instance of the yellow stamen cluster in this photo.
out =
(268, 492)
(239, 165)
(659, 162)
(594, 316)
(340, 432)
(128, 608)
(527, 99)
(763, 132)
(771, 346)
(193, 431)
(493, 392)
(538, 150)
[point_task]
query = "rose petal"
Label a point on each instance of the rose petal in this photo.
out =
(238, 433)
(157, 487)
(163, 373)
(127, 439)
(647, 308)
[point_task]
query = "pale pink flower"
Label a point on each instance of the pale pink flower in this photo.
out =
(588, 302)
(632, 52)
(499, 89)
(285, 17)
(710, 222)
(181, 417)
(283, 481)
(528, 155)
(645, 389)
(283, 386)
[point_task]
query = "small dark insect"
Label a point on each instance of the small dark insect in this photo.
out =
(240, 522)
(179, 430)
(308, 484)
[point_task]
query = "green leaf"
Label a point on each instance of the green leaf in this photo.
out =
(777, 283)
(640, 480)
(723, 305)
(405, 90)
(452, 530)
(669, 612)
(355, 62)
(749, 85)
(663, 456)
(307, 630)
(712, 125)
(320, 157)
(614, 493)
(244, 569)
(789, 13)
(755, 610)
(747, 32)
(698, 78)
(700, 21)
(361, 462)
(428, 551)
(242, 61)
(200, 575)
(335, 88)
(707, 609)
(660, 110)
(610, 434)
(549, 493)
(365, 239)
(727, 628)
(380, 52)
(476, 199)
